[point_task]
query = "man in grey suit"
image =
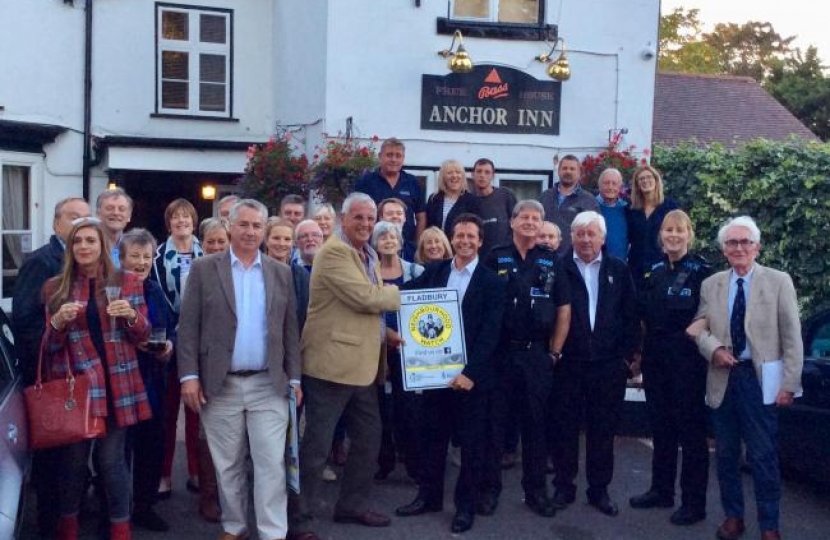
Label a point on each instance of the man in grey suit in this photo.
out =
(748, 329)
(238, 352)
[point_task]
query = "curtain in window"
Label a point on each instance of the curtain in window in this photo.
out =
(15, 209)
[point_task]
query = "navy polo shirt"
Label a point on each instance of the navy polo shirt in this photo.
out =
(407, 189)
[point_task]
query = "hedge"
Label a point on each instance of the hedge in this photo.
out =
(784, 186)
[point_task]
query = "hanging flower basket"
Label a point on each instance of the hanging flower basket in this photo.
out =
(274, 170)
(622, 159)
(338, 164)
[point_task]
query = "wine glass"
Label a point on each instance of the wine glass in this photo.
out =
(113, 292)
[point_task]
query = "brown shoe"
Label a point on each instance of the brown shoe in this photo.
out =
(367, 518)
(731, 529)
(228, 536)
(770, 535)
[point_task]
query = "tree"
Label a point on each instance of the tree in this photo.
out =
(801, 86)
(750, 49)
(682, 48)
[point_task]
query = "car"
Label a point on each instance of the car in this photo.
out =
(14, 455)
(804, 428)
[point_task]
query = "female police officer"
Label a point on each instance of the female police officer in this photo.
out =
(674, 374)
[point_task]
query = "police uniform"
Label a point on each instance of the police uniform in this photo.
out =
(535, 289)
(674, 378)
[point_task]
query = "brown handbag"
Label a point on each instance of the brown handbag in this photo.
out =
(59, 411)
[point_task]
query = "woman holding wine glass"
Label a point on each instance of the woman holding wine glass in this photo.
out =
(99, 338)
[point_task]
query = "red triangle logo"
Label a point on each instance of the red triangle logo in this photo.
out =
(493, 77)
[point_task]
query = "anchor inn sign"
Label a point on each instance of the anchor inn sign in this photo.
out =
(493, 99)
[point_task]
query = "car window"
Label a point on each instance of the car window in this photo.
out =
(820, 345)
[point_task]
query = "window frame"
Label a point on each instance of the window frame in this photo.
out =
(194, 48)
(35, 165)
(492, 29)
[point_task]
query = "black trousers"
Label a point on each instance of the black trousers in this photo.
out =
(400, 413)
(527, 378)
(463, 414)
(674, 378)
(593, 391)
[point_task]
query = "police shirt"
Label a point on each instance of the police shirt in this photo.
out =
(671, 294)
(536, 286)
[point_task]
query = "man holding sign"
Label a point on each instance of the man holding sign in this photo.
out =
(464, 405)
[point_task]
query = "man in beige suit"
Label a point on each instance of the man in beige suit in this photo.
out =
(343, 357)
(238, 351)
(751, 336)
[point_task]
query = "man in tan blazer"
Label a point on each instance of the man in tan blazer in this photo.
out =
(751, 335)
(343, 357)
(238, 350)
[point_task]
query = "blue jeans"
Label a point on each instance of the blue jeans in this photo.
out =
(111, 464)
(743, 417)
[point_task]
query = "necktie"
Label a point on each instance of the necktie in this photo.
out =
(737, 321)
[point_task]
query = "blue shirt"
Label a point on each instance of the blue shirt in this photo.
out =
(407, 189)
(733, 291)
(616, 240)
(251, 324)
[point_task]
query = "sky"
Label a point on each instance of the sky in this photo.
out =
(806, 19)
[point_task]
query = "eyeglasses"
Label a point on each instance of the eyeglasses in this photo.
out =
(306, 236)
(743, 242)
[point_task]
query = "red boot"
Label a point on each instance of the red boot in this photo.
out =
(120, 530)
(68, 528)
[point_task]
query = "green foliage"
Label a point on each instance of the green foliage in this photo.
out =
(784, 186)
(275, 170)
(682, 48)
(801, 86)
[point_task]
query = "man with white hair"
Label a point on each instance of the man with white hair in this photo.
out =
(749, 331)
(613, 208)
(590, 377)
(308, 237)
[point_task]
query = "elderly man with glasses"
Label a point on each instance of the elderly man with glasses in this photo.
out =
(748, 329)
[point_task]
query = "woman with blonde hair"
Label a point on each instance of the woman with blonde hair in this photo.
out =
(96, 316)
(648, 208)
(452, 198)
(433, 246)
(674, 374)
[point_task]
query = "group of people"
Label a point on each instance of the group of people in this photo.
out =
(557, 314)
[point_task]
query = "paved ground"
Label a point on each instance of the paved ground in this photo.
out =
(805, 512)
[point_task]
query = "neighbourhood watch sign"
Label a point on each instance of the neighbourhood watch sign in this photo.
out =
(491, 99)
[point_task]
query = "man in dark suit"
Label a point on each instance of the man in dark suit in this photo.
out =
(239, 348)
(28, 321)
(590, 377)
(465, 404)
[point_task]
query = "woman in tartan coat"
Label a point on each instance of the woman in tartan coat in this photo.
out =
(99, 337)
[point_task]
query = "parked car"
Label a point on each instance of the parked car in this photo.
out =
(14, 456)
(804, 428)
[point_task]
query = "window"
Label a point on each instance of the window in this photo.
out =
(501, 11)
(15, 226)
(523, 186)
(193, 61)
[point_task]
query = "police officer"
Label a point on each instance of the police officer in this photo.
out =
(674, 374)
(537, 316)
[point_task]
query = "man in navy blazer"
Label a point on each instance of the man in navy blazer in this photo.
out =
(591, 375)
(463, 406)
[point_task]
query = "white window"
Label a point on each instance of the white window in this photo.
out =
(498, 11)
(16, 223)
(523, 186)
(194, 61)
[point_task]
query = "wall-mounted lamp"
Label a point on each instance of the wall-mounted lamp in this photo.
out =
(208, 192)
(459, 59)
(112, 184)
(559, 69)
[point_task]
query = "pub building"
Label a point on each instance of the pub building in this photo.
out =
(164, 98)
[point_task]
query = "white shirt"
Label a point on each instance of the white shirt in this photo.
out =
(251, 323)
(590, 273)
(460, 279)
(733, 291)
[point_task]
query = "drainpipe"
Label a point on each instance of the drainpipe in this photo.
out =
(87, 98)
